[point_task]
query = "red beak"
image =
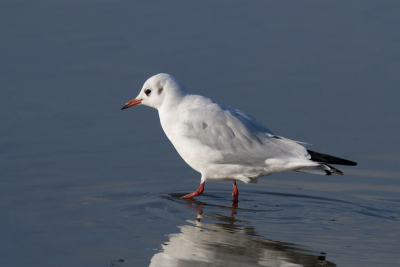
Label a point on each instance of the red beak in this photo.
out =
(132, 103)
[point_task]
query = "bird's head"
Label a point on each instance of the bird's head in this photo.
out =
(157, 90)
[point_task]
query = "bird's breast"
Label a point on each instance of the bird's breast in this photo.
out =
(196, 154)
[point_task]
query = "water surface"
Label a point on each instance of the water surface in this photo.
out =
(83, 183)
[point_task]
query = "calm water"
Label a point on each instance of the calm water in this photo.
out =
(83, 183)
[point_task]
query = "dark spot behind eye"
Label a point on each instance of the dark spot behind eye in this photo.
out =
(160, 90)
(147, 92)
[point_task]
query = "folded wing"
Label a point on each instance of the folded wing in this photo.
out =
(237, 136)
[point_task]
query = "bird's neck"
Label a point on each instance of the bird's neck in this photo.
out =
(173, 101)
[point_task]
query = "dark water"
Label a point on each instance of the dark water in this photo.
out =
(83, 183)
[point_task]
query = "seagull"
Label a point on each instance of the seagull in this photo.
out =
(223, 143)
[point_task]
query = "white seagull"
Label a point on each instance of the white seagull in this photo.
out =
(223, 143)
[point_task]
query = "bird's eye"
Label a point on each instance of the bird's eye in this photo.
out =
(147, 92)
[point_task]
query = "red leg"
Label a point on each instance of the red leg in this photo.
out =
(235, 193)
(199, 191)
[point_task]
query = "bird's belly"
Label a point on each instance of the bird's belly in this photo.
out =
(245, 173)
(211, 163)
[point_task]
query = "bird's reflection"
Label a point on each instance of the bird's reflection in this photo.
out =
(227, 241)
(199, 206)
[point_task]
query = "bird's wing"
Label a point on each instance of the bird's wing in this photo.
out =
(237, 136)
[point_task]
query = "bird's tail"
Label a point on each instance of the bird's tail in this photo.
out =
(321, 169)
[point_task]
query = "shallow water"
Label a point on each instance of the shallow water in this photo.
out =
(140, 223)
(83, 183)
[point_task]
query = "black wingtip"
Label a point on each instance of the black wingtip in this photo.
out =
(324, 158)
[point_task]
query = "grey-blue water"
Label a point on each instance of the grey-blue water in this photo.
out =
(83, 183)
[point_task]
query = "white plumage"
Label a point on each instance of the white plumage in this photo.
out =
(220, 142)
